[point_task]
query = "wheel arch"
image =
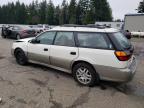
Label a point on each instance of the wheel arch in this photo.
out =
(82, 61)
(18, 48)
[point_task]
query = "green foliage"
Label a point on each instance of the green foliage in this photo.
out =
(141, 7)
(72, 12)
(76, 12)
(57, 16)
(50, 13)
(42, 11)
(82, 10)
(64, 13)
(101, 10)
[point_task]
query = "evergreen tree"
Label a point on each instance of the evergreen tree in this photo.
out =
(82, 9)
(22, 14)
(102, 10)
(50, 13)
(57, 15)
(33, 14)
(89, 18)
(72, 12)
(141, 7)
(64, 13)
(78, 15)
(42, 11)
(85, 12)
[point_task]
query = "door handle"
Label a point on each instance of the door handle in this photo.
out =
(45, 49)
(73, 53)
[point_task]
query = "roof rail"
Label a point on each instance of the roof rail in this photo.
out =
(89, 26)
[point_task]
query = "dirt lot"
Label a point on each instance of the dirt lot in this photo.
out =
(35, 86)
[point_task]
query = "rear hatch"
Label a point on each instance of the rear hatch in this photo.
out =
(124, 48)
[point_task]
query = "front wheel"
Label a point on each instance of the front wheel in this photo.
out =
(20, 57)
(85, 75)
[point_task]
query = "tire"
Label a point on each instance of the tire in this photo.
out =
(21, 57)
(18, 37)
(85, 75)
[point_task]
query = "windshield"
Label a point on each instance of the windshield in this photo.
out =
(122, 40)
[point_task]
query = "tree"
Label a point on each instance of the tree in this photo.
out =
(89, 17)
(83, 12)
(22, 14)
(50, 13)
(33, 14)
(72, 12)
(102, 10)
(82, 9)
(64, 13)
(42, 11)
(141, 7)
(57, 15)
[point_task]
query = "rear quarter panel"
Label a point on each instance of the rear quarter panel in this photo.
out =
(101, 57)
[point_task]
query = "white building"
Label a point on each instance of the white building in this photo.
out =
(116, 25)
(134, 22)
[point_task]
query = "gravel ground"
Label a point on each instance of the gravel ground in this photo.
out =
(36, 86)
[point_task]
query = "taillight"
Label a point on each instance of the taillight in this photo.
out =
(122, 56)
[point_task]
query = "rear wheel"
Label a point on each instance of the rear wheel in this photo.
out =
(20, 57)
(85, 75)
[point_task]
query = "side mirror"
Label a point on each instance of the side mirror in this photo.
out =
(34, 41)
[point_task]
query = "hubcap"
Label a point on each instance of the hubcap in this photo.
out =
(83, 75)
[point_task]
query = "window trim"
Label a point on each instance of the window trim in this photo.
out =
(46, 32)
(65, 45)
(115, 42)
(106, 38)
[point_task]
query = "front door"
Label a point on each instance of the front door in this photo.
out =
(40, 50)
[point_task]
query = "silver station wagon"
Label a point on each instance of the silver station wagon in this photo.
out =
(89, 53)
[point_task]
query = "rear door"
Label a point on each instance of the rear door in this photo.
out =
(64, 50)
(96, 48)
(40, 51)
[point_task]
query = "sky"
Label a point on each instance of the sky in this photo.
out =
(119, 7)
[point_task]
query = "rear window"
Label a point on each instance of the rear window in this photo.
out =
(94, 40)
(122, 40)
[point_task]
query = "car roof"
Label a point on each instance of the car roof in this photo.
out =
(84, 29)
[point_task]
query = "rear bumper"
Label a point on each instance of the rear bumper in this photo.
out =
(116, 74)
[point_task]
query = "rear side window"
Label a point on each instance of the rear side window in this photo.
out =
(94, 40)
(121, 40)
(65, 39)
